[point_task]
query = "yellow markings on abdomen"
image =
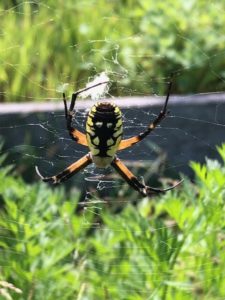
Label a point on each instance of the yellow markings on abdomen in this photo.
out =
(94, 150)
(96, 141)
(104, 130)
(117, 110)
(89, 121)
(102, 162)
(110, 142)
(99, 124)
(118, 132)
(119, 123)
(111, 152)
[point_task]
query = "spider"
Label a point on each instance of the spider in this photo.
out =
(104, 130)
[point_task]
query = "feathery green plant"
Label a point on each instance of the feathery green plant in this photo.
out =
(170, 247)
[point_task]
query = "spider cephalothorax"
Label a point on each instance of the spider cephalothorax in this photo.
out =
(103, 137)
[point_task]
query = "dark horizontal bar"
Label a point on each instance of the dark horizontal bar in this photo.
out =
(123, 102)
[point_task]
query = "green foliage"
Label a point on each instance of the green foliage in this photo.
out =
(40, 239)
(46, 43)
(167, 248)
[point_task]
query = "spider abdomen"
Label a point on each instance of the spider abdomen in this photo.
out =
(104, 131)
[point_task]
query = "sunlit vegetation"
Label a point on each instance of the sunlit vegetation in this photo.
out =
(164, 248)
(139, 43)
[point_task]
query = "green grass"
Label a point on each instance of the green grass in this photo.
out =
(139, 43)
(164, 248)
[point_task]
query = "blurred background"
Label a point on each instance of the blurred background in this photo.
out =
(138, 44)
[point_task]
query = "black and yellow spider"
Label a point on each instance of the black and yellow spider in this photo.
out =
(104, 130)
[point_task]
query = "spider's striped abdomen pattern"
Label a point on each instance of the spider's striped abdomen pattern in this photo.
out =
(104, 131)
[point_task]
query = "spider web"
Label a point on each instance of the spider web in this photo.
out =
(190, 131)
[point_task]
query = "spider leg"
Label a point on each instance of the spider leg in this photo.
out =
(68, 172)
(74, 95)
(132, 180)
(136, 139)
(75, 134)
